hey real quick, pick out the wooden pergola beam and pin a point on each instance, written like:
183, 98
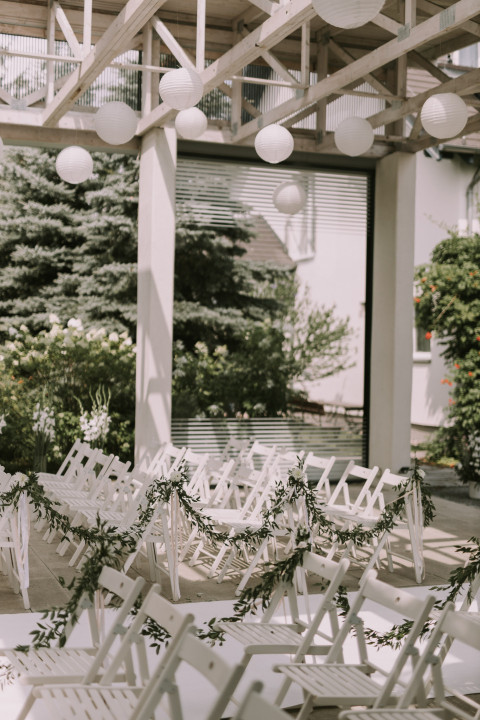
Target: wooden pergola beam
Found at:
284, 21
426, 31
126, 25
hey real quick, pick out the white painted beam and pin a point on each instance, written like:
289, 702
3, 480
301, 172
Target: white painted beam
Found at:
87, 26
66, 29
130, 20
200, 41
267, 6
432, 28
284, 21
173, 45
156, 250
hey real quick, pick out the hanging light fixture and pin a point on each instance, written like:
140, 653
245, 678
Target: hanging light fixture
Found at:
74, 164
274, 143
444, 115
181, 89
289, 197
354, 136
115, 122
191, 123
347, 13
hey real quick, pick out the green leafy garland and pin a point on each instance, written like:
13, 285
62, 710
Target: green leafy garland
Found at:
109, 547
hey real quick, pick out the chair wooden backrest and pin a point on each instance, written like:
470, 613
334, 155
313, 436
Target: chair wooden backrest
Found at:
168, 616
455, 625
351, 473
110, 582
207, 661
405, 605
322, 488
75, 452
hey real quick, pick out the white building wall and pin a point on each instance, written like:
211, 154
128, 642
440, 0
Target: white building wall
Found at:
440, 204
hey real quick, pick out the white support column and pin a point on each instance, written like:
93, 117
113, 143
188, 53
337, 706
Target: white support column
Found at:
156, 249
392, 342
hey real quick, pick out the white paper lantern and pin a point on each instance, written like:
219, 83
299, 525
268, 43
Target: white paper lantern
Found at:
354, 136
191, 123
444, 115
181, 89
74, 164
347, 13
289, 197
274, 143
115, 123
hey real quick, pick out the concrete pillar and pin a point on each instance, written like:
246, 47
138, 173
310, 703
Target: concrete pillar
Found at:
156, 250
392, 341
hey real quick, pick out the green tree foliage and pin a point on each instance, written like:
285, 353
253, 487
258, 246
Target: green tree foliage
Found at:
244, 339
448, 304
70, 250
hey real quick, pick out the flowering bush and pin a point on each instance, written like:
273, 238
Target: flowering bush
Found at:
59, 368
448, 304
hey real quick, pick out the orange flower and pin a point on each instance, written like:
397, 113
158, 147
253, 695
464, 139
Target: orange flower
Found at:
478, 338
457, 366
470, 373
417, 299
433, 288
424, 279
428, 335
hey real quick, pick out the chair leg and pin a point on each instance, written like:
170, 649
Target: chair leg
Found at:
27, 705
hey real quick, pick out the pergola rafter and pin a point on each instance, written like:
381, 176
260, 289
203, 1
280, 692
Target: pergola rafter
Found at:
220, 40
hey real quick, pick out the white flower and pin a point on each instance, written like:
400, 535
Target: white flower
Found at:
113, 337
296, 473
127, 341
176, 476
95, 425
44, 422
53, 319
12, 331
24, 328
2, 422
75, 323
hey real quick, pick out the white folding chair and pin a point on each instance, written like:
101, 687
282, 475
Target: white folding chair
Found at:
314, 463
71, 664
66, 702
266, 637
14, 540
346, 685
460, 626
366, 515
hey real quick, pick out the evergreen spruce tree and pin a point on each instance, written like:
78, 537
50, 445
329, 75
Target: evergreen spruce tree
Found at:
242, 341
67, 249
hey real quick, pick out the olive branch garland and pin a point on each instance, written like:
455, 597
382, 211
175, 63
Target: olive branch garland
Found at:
108, 546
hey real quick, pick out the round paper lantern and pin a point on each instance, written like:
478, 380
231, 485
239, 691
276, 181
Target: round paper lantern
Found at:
347, 13
289, 197
191, 123
181, 89
354, 136
115, 123
274, 143
444, 115
74, 164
